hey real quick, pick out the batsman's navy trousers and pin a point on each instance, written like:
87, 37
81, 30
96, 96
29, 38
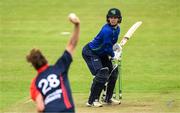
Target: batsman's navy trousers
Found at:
95, 62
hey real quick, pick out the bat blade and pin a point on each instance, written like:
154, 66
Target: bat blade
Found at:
130, 33
132, 29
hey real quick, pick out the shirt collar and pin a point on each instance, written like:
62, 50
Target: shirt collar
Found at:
43, 68
113, 27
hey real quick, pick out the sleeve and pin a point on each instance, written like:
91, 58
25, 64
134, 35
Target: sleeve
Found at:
33, 90
64, 61
107, 43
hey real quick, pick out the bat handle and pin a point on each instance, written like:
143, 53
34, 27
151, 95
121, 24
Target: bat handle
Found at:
124, 40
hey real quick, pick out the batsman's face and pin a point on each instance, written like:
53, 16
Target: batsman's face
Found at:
113, 20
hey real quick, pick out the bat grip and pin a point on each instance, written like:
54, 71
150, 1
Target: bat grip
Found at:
124, 40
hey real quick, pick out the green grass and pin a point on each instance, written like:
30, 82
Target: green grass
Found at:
150, 59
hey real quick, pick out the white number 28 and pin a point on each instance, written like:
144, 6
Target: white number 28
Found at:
49, 83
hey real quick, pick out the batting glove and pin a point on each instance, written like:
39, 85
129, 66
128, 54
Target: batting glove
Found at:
117, 47
117, 51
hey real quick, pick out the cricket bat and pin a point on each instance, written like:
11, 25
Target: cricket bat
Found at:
126, 37
130, 32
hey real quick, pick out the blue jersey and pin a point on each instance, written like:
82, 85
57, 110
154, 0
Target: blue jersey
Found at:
53, 84
103, 43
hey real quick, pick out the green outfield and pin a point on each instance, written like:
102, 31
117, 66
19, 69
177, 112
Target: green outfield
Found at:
151, 59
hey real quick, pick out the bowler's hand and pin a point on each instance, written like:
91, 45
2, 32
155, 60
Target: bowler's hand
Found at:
74, 18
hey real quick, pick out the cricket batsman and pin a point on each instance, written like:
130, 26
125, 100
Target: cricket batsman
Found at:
98, 54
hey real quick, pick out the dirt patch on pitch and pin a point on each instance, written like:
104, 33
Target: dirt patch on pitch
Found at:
124, 107
146, 104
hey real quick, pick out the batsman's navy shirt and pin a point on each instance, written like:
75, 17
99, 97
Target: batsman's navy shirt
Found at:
53, 84
103, 43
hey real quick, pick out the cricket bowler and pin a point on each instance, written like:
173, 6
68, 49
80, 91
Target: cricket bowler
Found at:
50, 89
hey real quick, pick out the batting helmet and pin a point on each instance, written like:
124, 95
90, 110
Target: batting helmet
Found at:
114, 12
